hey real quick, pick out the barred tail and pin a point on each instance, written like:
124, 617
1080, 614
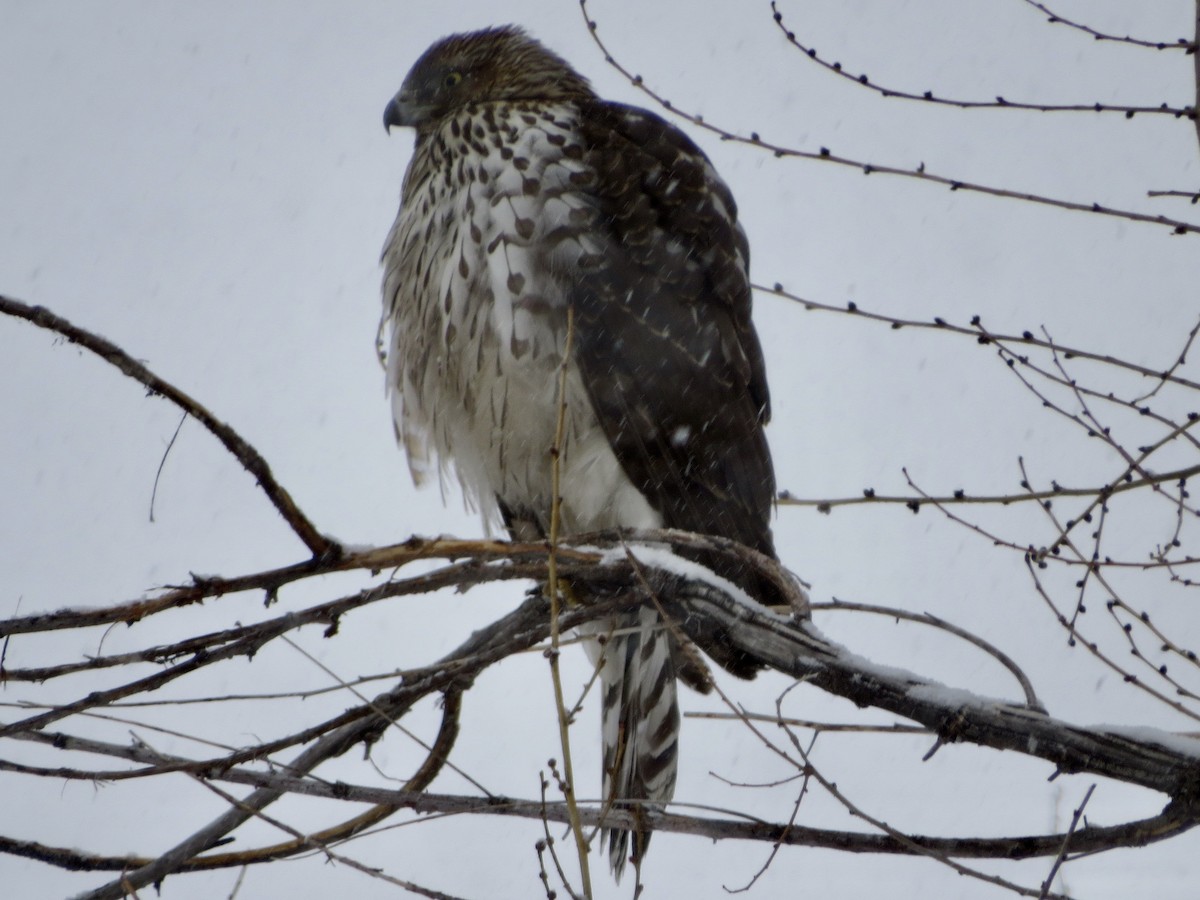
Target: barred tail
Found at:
640, 725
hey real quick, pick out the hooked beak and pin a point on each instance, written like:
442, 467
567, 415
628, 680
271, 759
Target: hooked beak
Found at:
400, 112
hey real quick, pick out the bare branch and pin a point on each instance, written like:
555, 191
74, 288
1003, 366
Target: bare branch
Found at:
1062, 854
999, 103
981, 335
1055, 19
524, 626
824, 154
1172, 821
1031, 699
1195, 51
242, 451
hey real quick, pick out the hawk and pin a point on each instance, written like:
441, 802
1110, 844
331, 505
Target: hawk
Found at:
530, 203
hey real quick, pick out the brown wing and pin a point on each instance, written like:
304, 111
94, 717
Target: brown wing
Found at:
663, 332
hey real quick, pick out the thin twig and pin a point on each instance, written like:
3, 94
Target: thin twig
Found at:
833, 727
1055, 19
485, 646
552, 591
918, 172
841, 71
976, 331
1031, 698
1062, 854
1195, 51
314, 842
162, 462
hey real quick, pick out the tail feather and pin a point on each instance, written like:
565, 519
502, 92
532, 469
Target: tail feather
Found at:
640, 724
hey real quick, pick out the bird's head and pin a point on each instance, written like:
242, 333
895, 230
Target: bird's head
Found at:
479, 67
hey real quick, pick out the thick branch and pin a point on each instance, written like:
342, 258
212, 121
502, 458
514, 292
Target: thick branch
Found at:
799, 650
271, 580
1160, 762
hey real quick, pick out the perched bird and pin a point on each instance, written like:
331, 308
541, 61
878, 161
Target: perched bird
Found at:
527, 197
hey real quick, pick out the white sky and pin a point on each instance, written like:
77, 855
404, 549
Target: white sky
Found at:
209, 185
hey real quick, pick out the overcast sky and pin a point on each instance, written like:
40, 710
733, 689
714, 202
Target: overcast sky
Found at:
209, 186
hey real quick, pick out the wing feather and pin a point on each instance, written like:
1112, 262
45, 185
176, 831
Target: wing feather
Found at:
664, 338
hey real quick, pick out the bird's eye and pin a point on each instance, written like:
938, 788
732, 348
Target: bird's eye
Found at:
452, 79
